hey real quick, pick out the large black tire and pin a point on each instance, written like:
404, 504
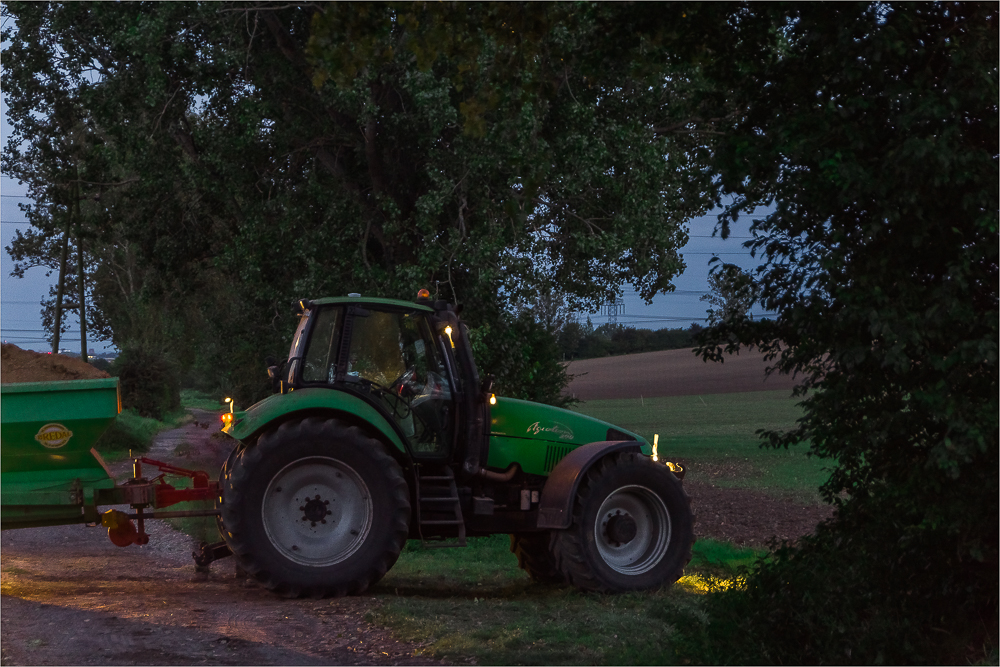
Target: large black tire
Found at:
315, 508
632, 528
534, 556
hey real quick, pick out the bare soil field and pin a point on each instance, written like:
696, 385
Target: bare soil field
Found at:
671, 373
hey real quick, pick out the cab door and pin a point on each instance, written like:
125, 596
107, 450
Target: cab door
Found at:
398, 360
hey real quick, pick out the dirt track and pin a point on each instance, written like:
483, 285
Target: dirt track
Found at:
671, 373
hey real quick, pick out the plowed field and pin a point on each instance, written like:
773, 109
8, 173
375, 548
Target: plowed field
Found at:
671, 373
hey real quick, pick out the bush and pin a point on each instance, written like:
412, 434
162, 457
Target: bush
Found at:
102, 365
524, 357
864, 589
148, 382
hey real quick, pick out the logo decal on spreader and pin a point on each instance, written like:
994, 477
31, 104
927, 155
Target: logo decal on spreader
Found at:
53, 436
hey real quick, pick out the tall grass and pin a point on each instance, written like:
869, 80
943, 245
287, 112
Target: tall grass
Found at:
192, 398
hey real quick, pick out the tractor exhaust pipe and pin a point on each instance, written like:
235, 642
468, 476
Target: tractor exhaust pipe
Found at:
504, 476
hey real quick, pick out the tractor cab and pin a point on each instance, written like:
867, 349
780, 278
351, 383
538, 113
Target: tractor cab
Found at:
410, 361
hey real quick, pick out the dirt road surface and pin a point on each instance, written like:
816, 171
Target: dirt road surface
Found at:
671, 373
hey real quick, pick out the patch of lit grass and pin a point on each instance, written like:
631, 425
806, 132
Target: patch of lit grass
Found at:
721, 558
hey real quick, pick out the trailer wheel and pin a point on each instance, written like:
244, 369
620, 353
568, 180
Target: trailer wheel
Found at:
632, 528
315, 508
534, 556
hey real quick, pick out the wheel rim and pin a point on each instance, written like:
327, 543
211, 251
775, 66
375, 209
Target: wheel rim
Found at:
317, 511
632, 531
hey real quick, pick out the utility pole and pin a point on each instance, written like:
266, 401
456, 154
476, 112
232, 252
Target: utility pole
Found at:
62, 283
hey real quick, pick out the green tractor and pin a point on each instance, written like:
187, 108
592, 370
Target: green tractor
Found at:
381, 430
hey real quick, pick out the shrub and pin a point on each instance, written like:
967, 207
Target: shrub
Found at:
148, 382
852, 596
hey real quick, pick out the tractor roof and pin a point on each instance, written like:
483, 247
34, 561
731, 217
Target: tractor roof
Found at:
373, 301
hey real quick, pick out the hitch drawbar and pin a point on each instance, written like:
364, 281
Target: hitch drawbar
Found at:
142, 494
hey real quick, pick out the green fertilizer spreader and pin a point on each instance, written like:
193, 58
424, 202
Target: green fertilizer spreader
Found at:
51, 475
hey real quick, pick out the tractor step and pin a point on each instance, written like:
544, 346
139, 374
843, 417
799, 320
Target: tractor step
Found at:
438, 504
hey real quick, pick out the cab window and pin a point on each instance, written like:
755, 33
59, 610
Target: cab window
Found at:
321, 356
396, 354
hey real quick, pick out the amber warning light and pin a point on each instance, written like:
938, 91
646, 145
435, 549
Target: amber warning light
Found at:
227, 417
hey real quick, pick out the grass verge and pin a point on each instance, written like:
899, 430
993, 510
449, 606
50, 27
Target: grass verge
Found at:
132, 432
475, 604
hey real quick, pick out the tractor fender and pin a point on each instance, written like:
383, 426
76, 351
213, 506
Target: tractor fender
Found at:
280, 407
555, 508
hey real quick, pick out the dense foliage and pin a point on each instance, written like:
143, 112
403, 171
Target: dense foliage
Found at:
873, 129
230, 158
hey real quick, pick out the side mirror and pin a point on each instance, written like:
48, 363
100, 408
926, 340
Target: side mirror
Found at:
487, 385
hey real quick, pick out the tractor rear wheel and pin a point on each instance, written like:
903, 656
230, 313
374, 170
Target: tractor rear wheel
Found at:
315, 507
632, 528
534, 556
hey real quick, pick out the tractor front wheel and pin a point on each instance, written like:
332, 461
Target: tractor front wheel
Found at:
632, 528
315, 507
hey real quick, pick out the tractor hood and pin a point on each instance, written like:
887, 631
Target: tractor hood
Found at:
512, 418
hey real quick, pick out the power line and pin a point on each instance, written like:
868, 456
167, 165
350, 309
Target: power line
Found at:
34, 331
712, 236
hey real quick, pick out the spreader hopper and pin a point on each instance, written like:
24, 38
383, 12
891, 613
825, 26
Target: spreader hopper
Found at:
50, 471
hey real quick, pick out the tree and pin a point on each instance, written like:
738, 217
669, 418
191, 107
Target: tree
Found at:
733, 293
255, 153
872, 127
